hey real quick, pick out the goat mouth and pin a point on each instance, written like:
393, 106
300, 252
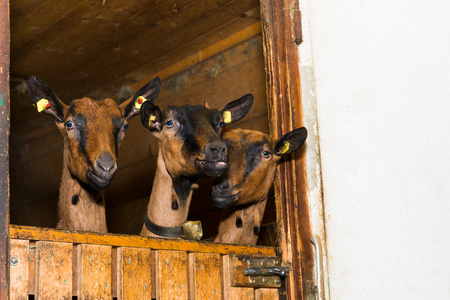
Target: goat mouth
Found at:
97, 182
212, 168
224, 201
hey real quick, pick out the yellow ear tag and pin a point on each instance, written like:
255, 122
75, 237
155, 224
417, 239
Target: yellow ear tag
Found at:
42, 104
151, 120
139, 101
285, 147
226, 116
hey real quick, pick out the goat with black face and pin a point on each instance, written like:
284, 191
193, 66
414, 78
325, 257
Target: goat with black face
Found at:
190, 147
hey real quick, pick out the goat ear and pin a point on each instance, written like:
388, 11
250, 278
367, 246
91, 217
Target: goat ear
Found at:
45, 100
151, 116
148, 92
291, 141
237, 109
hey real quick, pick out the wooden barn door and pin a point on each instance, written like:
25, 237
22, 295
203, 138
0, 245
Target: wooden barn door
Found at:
281, 25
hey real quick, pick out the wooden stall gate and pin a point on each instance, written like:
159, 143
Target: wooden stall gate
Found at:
59, 264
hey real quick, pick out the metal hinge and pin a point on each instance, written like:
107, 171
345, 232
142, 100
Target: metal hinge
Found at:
265, 272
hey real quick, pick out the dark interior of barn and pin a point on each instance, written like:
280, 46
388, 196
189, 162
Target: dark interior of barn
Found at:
202, 51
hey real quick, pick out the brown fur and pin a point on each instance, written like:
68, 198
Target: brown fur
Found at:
246, 190
93, 131
189, 148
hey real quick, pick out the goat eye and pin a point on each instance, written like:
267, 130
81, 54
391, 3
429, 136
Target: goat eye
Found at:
125, 127
221, 124
69, 125
169, 123
266, 154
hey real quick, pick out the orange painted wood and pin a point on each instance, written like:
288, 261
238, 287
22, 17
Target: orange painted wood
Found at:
32, 269
133, 273
54, 270
205, 274
79, 237
241, 293
94, 272
19, 272
267, 294
171, 275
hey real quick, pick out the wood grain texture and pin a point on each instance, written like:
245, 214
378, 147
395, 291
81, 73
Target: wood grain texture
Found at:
267, 294
19, 272
79, 237
133, 273
4, 149
171, 275
205, 276
241, 293
282, 35
54, 270
94, 272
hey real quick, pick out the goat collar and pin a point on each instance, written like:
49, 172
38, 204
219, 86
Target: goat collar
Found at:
190, 230
173, 232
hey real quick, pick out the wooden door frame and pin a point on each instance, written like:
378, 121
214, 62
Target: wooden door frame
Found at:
4, 151
281, 27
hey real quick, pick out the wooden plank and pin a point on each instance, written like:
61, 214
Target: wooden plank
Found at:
204, 54
281, 22
171, 275
19, 270
205, 276
54, 270
179, 36
4, 149
94, 272
267, 294
48, 13
241, 293
117, 240
134, 273
230, 292
32, 269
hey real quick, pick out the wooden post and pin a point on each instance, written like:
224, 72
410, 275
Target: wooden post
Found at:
281, 22
4, 134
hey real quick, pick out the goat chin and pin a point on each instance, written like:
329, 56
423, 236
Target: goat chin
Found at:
96, 182
224, 202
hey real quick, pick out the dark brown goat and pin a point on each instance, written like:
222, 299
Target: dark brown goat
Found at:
189, 148
244, 188
93, 132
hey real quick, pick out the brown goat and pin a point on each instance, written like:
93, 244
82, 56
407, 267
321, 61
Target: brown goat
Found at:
189, 148
244, 187
93, 132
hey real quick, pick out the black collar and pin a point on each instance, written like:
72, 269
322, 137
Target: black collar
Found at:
173, 232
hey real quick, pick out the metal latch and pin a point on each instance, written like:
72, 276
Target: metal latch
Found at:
265, 272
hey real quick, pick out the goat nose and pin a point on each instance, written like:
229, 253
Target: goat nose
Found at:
106, 163
224, 185
217, 147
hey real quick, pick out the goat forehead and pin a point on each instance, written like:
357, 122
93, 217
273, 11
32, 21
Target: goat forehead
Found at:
194, 114
244, 150
95, 110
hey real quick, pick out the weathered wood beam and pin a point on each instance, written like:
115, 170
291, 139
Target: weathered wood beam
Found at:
118, 240
4, 150
281, 36
204, 54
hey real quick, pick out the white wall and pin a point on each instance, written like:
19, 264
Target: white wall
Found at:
382, 90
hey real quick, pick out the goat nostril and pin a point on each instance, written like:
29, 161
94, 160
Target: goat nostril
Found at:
216, 147
105, 163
